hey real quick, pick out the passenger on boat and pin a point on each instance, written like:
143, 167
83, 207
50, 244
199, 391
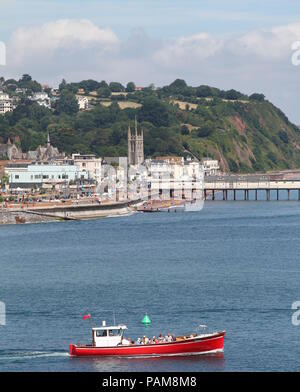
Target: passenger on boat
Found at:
154, 340
169, 338
125, 342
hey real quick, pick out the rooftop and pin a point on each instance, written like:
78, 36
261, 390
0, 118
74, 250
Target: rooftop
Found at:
114, 327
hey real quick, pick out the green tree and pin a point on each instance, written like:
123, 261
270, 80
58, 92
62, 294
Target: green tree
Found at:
204, 91
257, 97
178, 85
130, 88
62, 85
232, 95
103, 84
233, 166
26, 78
154, 111
184, 130
29, 84
67, 103
103, 92
89, 85
283, 136
116, 87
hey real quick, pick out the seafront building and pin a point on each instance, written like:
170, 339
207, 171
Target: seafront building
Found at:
113, 178
81, 170
33, 176
211, 166
174, 178
89, 165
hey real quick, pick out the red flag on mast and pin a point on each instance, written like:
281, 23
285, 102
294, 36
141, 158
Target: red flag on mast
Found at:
86, 316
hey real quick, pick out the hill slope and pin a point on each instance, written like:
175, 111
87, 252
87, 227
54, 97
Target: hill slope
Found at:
245, 133
248, 136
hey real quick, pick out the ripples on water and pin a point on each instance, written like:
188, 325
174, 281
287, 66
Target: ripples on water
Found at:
233, 266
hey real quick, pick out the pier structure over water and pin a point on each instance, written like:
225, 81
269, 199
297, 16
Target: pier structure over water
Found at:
230, 186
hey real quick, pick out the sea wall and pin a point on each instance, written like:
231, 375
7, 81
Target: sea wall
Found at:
72, 212
7, 218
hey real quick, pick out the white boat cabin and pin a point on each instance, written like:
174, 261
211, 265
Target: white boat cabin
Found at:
108, 336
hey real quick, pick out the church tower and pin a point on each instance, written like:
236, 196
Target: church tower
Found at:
135, 146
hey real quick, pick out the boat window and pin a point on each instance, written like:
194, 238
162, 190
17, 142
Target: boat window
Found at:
114, 332
101, 333
108, 332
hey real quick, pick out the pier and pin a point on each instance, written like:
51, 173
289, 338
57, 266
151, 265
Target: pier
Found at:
230, 186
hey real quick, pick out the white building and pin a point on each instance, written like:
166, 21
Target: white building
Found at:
42, 99
20, 90
42, 175
3, 96
83, 102
172, 177
55, 92
211, 166
6, 104
88, 164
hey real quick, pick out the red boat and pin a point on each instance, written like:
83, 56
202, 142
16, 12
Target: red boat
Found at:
110, 341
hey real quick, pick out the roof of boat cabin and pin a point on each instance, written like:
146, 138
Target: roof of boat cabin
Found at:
121, 326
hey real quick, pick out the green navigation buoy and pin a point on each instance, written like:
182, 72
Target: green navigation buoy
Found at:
146, 320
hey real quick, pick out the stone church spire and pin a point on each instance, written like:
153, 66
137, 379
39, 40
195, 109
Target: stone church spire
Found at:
135, 146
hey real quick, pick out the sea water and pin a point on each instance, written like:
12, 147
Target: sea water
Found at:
232, 266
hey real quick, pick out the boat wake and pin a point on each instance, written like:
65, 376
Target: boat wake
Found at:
24, 355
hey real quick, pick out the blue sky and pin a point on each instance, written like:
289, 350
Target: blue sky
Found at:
158, 17
243, 44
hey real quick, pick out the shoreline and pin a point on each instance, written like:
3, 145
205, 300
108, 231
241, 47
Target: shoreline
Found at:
64, 213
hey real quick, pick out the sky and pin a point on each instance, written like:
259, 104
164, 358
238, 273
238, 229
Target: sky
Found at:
240, 44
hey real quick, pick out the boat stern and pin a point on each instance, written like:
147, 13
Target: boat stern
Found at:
72, 349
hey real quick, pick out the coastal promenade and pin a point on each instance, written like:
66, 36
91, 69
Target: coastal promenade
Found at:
231, 187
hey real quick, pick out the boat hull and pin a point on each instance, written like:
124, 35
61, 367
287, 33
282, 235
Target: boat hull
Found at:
198, 345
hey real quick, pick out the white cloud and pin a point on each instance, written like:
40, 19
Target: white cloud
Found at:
63, 40
67, 35
185, 50
274, 43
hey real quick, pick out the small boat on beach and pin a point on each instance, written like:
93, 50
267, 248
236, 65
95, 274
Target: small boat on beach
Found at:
19, 219
110, 341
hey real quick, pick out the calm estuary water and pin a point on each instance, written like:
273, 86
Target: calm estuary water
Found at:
233, 266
